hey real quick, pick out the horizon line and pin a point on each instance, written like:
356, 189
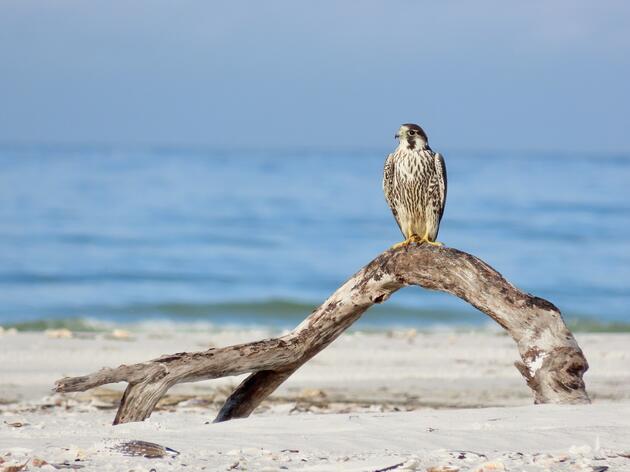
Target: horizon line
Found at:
157, 146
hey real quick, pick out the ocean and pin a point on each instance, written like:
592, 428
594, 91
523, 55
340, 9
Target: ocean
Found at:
98, 234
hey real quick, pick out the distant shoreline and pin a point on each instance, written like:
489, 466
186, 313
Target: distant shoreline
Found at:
372, 322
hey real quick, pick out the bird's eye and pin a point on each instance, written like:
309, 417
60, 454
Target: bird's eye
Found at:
412, 132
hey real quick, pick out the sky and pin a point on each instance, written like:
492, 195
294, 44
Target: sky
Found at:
485, 75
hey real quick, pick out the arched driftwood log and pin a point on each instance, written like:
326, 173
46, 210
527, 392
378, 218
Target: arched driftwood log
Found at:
551, 361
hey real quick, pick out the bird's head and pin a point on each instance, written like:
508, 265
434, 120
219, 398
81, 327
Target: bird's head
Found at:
412, 136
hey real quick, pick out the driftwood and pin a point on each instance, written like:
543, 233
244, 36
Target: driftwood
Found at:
551, 361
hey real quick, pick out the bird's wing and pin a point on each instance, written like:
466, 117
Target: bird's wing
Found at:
388, 179
388, 186
440, 166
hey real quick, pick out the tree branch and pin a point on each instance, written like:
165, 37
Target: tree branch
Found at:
551, 361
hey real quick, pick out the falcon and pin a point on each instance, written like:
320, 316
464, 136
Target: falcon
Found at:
414, 183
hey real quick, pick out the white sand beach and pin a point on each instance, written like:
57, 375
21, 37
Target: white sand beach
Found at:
402, 400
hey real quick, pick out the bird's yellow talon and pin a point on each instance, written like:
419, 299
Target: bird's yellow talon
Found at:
425, 239
404, 243
414, 238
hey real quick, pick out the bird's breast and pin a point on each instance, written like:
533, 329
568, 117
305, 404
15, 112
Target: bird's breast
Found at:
414, 165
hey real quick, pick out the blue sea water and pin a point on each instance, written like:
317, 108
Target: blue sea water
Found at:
261, 237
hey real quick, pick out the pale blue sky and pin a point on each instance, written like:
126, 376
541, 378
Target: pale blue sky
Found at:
540, 74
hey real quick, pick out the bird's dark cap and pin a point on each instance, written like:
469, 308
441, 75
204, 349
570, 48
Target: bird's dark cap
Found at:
415, 127
412, 126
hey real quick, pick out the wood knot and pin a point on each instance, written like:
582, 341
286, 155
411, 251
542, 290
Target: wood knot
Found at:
380, 298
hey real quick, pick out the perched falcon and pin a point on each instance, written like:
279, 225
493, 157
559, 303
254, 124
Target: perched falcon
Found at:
414, 182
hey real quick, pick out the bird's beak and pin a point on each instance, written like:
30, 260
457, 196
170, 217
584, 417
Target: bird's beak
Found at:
396, 136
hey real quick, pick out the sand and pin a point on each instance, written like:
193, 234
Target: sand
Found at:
401, 400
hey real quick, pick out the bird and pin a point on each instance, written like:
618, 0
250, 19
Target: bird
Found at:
415, 184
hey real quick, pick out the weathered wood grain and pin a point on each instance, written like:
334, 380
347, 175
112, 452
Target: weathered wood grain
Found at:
551, 361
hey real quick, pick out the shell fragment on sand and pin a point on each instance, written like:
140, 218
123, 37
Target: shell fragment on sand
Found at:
145, 449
